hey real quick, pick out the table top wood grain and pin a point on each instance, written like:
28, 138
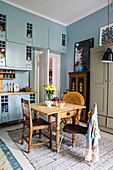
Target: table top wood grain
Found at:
42, 107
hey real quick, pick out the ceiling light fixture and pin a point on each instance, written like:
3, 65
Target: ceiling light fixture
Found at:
108, 55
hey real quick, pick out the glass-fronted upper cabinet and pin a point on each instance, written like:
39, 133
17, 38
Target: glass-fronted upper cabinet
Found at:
29, 34
2, 26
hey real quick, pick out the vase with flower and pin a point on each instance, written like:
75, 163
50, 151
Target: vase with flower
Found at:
50, 90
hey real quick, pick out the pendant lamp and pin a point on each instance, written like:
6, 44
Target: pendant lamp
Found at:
108, 55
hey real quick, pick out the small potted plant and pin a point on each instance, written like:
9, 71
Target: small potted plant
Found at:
50, 90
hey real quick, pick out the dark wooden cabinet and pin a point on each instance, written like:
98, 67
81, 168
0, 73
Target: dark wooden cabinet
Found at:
80, 82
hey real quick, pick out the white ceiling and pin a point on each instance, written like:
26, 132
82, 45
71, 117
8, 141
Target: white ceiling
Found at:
61, 11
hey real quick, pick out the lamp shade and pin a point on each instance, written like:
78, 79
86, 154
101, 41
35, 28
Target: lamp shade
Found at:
108, 56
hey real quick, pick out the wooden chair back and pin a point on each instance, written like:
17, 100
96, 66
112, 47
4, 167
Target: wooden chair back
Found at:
74, 98
26, 109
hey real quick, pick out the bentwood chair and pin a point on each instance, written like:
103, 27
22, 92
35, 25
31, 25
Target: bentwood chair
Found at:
74, 98
33, 125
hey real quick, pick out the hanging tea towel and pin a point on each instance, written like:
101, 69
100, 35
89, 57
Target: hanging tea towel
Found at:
93, 135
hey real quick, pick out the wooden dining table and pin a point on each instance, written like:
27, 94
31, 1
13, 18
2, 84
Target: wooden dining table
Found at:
69, 110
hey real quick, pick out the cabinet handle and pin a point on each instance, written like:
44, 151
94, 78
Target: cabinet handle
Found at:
68, 113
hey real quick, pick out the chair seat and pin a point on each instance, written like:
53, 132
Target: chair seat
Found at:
37, 122
40, 122
73, 129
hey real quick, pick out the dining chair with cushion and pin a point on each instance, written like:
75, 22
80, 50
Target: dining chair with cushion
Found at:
33, 125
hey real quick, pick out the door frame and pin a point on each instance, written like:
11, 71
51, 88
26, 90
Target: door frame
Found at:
36, 71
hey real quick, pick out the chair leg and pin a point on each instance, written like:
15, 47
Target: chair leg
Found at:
49, 120
50, 128
30, 139
39, 133
73, 140
23, 132
61, 141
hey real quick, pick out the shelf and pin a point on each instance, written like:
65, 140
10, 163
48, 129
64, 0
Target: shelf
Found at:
7, 75
6, 78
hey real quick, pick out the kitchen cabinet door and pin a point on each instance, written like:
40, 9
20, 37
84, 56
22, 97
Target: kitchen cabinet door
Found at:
98, 80
26, 97
40, 36
15, 55
14, 106
57, 41
16, 30
110, 99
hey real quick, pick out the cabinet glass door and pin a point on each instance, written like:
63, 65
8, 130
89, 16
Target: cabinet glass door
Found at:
81, 85
73, 84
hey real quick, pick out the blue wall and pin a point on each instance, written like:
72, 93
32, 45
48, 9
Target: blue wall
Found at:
83, 29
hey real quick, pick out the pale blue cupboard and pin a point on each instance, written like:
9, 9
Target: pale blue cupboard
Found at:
14, 105
16, 30
15, 55
40, 36
10, 107
57, 40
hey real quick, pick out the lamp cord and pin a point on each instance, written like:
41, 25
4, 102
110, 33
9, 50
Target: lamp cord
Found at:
108, 23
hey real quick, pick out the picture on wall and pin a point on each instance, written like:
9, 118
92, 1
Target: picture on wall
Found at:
104, 34
82, 54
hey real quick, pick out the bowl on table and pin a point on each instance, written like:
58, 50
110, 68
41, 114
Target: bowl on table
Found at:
61, 104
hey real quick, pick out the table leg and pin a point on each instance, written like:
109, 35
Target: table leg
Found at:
74, 136
49, 120
35, 116
78, 116
57, 131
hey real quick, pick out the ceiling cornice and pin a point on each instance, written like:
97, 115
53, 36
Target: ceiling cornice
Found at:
49, 18
31, 11
89, 13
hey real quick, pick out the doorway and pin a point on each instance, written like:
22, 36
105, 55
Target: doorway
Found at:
47, 72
